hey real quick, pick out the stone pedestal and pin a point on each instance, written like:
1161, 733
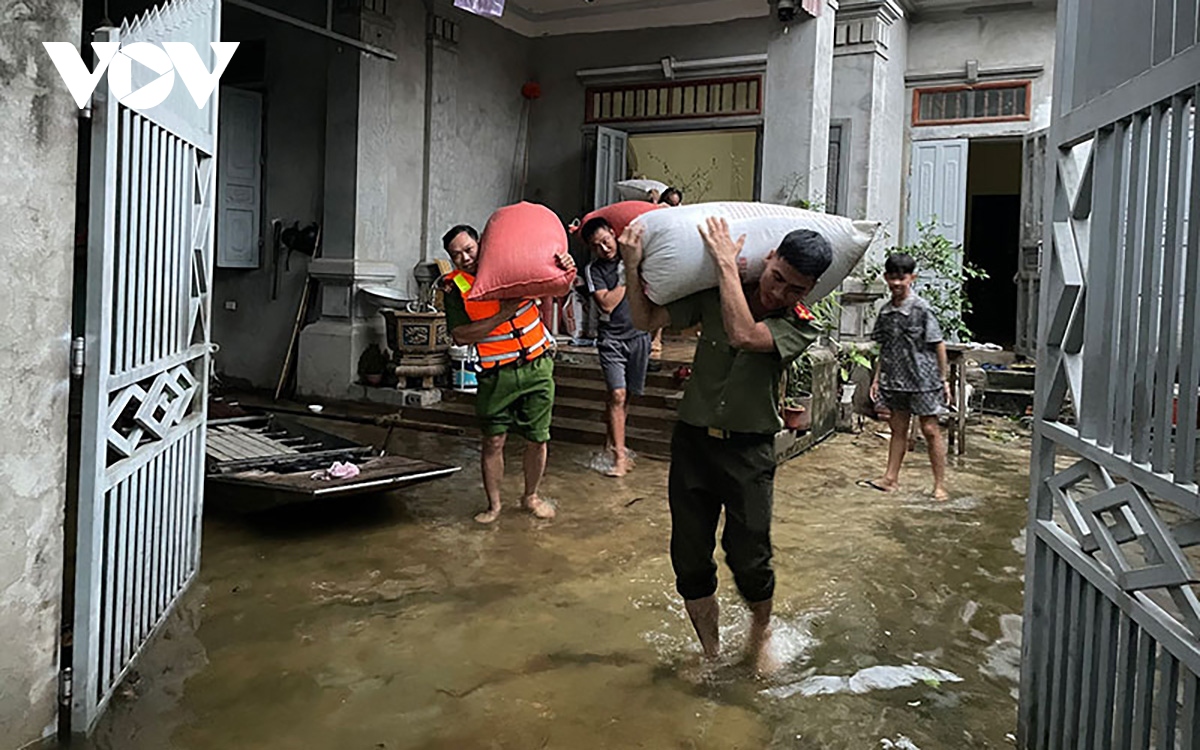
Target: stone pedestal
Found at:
796, 102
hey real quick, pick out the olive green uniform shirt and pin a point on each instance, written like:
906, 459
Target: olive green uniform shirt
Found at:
732, 389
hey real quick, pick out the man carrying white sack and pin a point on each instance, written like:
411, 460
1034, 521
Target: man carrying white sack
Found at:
723, 447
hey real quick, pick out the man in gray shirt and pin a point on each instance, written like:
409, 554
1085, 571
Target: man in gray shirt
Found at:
624, 350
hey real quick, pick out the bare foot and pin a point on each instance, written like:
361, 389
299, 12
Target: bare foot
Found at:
488, 516
620, 467
940, 494
698, 670
539, 507
763, 657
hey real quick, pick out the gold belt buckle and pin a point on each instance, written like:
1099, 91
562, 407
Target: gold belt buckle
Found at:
713, 432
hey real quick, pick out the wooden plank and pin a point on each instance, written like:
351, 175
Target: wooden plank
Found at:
1168, 356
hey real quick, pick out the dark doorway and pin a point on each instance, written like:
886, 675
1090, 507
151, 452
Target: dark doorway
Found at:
993, 238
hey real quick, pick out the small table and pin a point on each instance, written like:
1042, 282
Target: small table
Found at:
956, 354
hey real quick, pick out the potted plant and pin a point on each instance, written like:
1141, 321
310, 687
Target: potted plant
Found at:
851, 357
372, 364
798, 399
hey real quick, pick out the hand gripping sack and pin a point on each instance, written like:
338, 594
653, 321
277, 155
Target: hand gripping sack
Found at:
517, 255
618, 215
639, 190
675, 262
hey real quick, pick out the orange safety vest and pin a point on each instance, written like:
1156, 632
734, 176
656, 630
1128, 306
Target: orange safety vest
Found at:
521, 337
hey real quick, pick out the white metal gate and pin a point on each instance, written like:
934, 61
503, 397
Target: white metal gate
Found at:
150, 230
1111, 654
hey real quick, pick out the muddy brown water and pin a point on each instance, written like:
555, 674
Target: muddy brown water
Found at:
398, 623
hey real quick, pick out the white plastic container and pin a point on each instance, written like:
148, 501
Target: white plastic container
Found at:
463, 361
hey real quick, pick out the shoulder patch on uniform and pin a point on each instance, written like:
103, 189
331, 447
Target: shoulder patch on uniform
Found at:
463, 285
803, 313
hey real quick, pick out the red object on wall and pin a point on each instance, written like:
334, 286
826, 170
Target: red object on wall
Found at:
532, 90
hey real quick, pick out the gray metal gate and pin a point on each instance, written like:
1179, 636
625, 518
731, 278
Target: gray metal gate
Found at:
1112, 618
146, 362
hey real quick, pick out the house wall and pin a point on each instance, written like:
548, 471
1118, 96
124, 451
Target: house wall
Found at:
254, 337
477, 107
479, 142
38, 136
996, 40
556, 163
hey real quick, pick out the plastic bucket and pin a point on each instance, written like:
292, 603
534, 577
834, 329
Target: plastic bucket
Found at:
462, 369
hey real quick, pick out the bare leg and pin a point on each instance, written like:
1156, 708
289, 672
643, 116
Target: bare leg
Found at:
758, 648
706, 616
937, 456
535, 468
492, 463
615, 413
897, 447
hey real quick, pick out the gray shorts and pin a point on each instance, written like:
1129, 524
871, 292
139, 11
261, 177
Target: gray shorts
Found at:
919, 403
624, 362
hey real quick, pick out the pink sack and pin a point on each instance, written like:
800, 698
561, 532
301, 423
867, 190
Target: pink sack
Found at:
517, 255
619, 215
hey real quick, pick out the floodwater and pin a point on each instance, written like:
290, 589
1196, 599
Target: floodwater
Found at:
398, 623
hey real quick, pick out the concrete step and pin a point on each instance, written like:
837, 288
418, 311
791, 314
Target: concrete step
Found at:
588, 430
663, 379
590, 409
1015, 402
1010, 380
594, 389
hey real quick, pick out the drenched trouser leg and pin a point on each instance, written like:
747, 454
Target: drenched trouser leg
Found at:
706, 474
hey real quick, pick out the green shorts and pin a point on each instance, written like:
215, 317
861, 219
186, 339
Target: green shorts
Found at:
517, 398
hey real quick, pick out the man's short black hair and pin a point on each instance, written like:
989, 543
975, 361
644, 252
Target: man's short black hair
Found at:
448, 237
900, 264
595, 225
806, 251
670, 193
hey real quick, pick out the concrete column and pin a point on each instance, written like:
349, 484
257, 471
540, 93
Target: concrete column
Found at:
445, 160
38, 137
870, 103
869, 100
356, 241
797, 105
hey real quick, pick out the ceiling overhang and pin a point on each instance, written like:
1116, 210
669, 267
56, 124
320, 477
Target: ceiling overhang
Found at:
533, 18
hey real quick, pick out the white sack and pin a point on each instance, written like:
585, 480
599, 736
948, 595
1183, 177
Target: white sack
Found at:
639, 190
676, 262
